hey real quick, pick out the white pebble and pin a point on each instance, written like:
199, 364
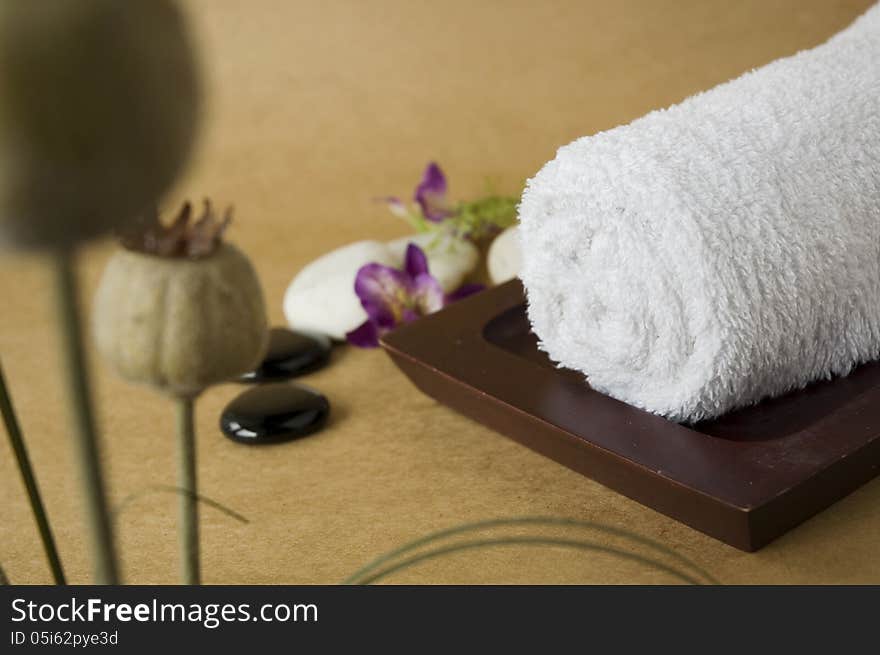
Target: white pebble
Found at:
504, 258
321, 297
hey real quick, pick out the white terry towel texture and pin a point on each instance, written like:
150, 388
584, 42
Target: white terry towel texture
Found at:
722, 250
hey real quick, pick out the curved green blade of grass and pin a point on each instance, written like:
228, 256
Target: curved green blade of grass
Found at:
368, 570
530, 541
169, 488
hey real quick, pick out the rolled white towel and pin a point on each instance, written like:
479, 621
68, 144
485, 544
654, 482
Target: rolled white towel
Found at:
722, 250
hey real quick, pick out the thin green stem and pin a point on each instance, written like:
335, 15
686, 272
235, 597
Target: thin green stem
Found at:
67, 297
189, 507
16, 440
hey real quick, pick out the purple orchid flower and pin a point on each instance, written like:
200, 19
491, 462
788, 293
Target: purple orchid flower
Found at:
431, 194
392, 297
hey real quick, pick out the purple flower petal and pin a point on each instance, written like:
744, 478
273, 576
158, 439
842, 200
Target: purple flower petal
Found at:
464, 291
427, 294
391, 296
433, 180
366, 335
431, 194
415, 262
383, 292
410, 315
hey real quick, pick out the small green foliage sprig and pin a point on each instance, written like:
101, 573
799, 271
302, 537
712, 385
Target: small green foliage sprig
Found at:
431, 211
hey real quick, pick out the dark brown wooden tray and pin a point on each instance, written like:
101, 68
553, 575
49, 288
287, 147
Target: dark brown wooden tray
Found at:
745, 478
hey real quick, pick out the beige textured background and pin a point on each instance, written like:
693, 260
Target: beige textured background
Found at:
315, 108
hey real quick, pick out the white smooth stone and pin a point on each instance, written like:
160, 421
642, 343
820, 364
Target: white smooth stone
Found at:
504, 258
321, 297
450, 260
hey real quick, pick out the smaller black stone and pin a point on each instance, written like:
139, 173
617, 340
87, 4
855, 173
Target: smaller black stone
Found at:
290, 354
273, 413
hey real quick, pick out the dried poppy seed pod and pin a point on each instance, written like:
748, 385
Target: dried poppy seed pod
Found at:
98, 107
186, 320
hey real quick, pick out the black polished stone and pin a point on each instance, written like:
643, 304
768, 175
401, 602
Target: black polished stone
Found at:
290, 354
273, 413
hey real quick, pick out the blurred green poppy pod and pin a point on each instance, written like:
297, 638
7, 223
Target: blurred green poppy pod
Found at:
98, 106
